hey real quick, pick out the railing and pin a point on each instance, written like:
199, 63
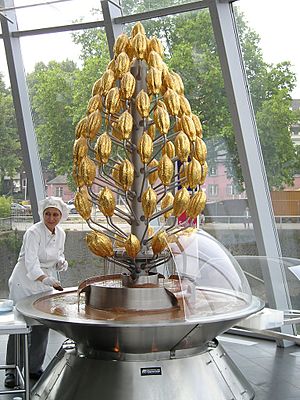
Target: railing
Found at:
5, 224
74, 221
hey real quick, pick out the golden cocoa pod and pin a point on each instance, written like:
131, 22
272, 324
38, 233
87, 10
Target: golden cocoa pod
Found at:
121, 44
107, 81
94, 124
194, 173
170, 81
166, 202
106, 202
198, 125
188, 127
116, 173
154, 80
127, 86
149, 201
95, 103
169, 149
119, 241
172, 102
156, 45
132, 246
112, 100
130, 50
165, 68
182, 146
203, 173
185, 107
161, 119
200, 150
142, 103
122, 64
163, 88
180, 85
126, 174
79, 182
152, 131
103, 148
182, 174
181, 201
139, 44
80, 149
165, 170
87, 170
116, 132
159, 242
196, 204
153, 176
99, 244
124, 125
97, 87
137, 28
111, 65
83, 204
81, 128
177, 126
145, 148
155, 60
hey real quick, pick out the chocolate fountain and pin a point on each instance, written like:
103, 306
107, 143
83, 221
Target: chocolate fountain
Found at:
146, 328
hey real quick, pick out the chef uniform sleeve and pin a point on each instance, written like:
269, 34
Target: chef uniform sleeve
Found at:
31, 249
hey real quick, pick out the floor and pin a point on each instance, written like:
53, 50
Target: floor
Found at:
273, 372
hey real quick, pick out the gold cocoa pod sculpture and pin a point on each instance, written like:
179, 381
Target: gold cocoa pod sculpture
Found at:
138, 155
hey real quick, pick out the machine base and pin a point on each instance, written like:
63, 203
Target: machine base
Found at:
209, 375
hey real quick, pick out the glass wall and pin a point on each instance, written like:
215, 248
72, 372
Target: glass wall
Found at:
275, 88
133, 7
56, 13
61, 69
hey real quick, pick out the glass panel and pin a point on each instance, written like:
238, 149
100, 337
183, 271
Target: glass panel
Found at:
60, 80
46, 49
132, 7
276, 105
34, 15
3, 64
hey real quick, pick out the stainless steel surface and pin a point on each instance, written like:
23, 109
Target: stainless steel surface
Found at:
154, 298
135, 332
209, 375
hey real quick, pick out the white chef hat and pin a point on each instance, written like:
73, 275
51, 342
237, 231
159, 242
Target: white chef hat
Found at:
55, 202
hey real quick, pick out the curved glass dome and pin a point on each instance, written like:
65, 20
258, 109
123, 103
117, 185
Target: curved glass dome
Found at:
211, 281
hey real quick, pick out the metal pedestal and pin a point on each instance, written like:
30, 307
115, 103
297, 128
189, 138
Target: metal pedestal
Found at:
192, 375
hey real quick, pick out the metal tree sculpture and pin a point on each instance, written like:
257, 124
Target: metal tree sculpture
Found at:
138, 128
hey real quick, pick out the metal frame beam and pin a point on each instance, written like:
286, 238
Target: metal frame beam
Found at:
22, 110
111, 11
250, 154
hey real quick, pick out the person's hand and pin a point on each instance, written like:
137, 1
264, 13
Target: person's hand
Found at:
52, 282
62, 265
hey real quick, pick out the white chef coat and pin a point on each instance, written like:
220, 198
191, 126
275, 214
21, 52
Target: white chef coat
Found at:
40, 251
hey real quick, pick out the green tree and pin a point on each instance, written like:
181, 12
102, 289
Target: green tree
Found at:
51, 89
273, 120
9, 144
5, 203
193, 54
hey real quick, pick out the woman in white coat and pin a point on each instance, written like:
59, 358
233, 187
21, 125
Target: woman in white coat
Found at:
41, 256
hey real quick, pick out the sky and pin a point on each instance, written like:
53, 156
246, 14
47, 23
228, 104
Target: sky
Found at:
275, 21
